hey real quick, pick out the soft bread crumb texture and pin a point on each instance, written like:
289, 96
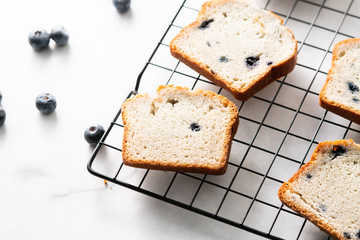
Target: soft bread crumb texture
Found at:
237, 44
326, 189
340, 93
179, 130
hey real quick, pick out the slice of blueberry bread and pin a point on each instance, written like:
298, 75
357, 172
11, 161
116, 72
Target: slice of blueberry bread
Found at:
179, 130
326, 189
237, 45
340, 93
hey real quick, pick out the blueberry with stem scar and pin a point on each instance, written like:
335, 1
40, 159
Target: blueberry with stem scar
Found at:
93, 134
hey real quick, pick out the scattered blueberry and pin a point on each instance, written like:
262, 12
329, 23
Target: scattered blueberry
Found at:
122, 5
39, 39
353, 87
337, 151
207, 43
205, 24
60, 35
93, 134
347, 235
45, 103
308, 176
269, 63
252, 62
2, 116
195, 127
223, 59
355, 99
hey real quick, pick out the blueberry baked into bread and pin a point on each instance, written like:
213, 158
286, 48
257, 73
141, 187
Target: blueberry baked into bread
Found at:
237, 45
179, 130
340, 93
326, 189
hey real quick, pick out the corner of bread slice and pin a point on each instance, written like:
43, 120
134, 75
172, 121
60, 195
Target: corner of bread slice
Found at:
304, 192
179, 130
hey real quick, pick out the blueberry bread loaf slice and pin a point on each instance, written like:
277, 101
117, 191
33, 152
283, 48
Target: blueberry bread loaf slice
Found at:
326, 189
340, 93
179, 130
237, 45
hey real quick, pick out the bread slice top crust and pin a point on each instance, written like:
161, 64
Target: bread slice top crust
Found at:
237, 45
179, 130
326, 189
340, 93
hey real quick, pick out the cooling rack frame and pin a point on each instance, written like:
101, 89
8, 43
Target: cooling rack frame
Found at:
312, 141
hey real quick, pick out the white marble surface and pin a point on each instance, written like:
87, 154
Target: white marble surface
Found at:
46, 190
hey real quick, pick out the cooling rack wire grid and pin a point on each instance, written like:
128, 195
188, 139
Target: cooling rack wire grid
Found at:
278, 131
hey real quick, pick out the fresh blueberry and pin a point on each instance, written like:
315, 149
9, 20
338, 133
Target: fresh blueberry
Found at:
353, 87
122, 5
205, 24
252, 62
93, 134
346, 235
223, 59
45, 103
2, 116
355, 99
195, 127
60, 35
308, 176
337, 151
39, 39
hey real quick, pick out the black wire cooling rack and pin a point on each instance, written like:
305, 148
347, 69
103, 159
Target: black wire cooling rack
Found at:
278, 131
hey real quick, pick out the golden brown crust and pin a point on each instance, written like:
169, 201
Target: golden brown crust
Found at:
184, 167
337, 108
275, 72
288, 187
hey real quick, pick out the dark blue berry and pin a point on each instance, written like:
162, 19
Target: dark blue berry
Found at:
353, 87
355, 99
93, 134
223, 59
122, 5
269, 63
60, 35
39, 39
337, 151
207, 43
45, 103
308, 176
205, 24
347, 235
252, 62
2, 116
195, 127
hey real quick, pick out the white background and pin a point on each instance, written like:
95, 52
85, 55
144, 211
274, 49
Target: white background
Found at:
45, 189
